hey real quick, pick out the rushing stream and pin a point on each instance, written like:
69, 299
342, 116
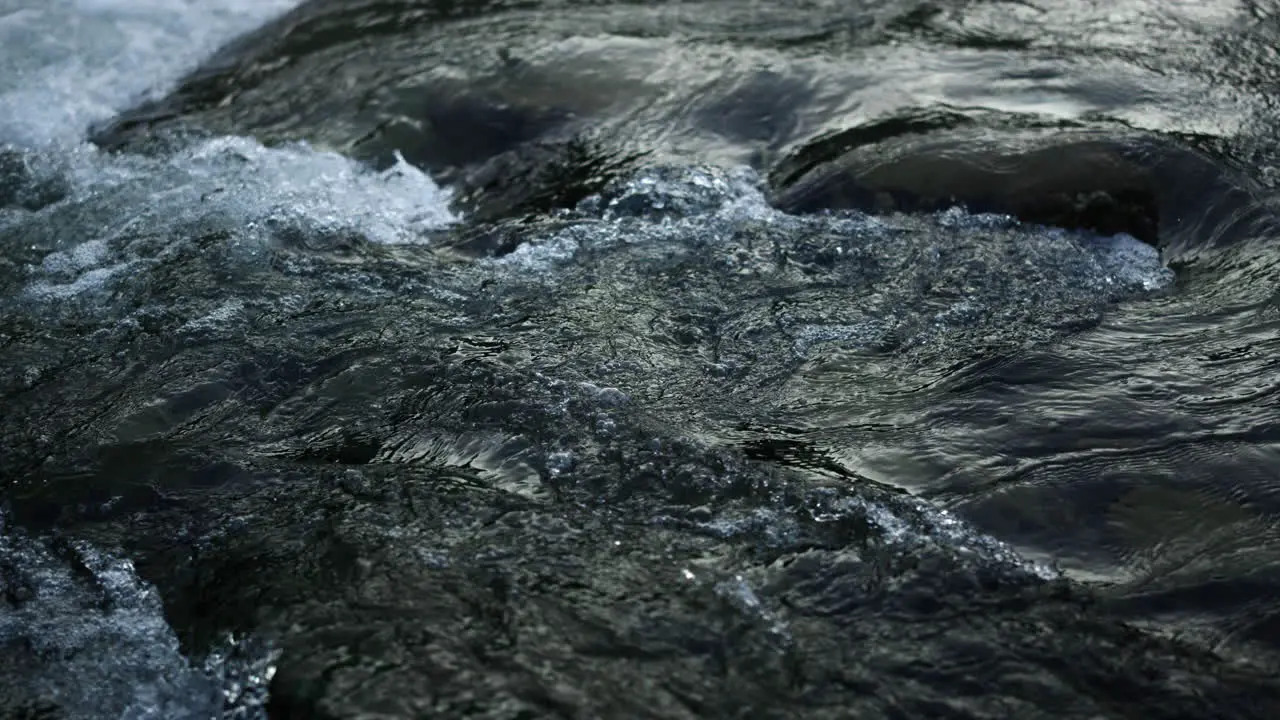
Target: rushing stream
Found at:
589, 359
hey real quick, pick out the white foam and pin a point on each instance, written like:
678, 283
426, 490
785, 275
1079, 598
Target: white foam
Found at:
232, 184
866, 335
90, 281
85, 255
65, 64
104, 637
240, 178
1129, 261
224, 314
537, 257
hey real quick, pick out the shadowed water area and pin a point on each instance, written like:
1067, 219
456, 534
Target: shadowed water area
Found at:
586, 359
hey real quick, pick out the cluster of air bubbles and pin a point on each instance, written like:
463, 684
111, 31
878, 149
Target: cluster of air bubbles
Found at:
242, 669
673, 192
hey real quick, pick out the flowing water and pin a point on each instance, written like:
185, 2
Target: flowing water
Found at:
419, 358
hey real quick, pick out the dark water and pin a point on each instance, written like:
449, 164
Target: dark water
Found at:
416, 358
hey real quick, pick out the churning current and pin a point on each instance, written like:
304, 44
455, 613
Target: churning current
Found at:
606, 359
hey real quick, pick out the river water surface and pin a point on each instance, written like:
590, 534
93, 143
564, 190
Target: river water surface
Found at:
420, 358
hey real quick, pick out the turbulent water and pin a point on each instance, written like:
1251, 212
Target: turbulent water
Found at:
419, 358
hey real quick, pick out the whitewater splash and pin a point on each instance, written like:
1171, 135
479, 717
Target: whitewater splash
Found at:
66, 64
69, 63
226, 184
